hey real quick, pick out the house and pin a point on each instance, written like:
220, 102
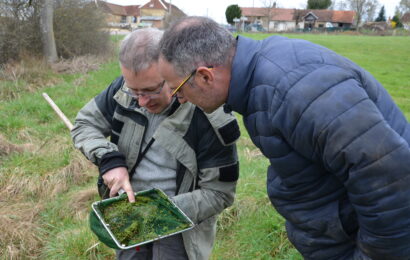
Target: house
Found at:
327, 19
118, 14
157, 13
405, 20
153, 13
272, 19
281, 19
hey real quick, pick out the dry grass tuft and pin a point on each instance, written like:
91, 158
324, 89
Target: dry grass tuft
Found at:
231, 215
81, 64
250, 150
33, 73
21, 236
28, 66
252, 153
7, 147
15, 186
228, 217
77, 172
19, 185
81, 201
247, 142
28, 75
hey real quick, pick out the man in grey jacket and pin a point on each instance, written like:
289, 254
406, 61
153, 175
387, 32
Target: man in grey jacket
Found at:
156, 142
337, 144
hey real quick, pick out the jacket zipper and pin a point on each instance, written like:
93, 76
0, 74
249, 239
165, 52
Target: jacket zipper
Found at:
140, 150
130, 173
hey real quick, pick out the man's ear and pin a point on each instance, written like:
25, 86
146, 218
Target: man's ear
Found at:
204, 76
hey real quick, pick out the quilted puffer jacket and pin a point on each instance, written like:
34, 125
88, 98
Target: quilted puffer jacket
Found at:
338, 148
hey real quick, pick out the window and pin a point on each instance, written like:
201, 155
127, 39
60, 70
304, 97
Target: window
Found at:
123, 19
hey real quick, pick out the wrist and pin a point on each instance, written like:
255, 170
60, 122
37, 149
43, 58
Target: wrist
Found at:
110, 161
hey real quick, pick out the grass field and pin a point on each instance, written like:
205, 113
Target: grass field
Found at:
46, 187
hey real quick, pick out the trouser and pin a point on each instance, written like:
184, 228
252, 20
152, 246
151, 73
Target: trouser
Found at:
170, 248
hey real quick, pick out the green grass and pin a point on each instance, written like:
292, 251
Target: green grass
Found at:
55, 180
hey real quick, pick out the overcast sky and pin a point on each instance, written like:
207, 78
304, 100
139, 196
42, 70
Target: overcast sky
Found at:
215, 9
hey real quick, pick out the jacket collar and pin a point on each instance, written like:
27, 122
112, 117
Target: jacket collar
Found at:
170, 135
242, 69
123, 99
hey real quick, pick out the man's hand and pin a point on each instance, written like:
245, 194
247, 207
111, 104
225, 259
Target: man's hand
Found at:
116, 179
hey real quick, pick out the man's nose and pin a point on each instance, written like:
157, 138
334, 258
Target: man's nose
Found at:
143, 100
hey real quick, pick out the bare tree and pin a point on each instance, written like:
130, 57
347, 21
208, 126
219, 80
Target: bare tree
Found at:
298, 14
76, 25
341, 5
270, 6
371, 11
47, 31
363, 9
332, 5
17, 22
404, 6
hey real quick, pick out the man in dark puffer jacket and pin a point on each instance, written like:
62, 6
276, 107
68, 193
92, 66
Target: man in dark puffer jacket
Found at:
337, 143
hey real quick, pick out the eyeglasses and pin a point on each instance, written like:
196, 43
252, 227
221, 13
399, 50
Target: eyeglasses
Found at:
186, 80
149, 94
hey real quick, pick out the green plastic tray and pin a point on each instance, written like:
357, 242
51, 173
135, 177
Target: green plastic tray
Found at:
153, 212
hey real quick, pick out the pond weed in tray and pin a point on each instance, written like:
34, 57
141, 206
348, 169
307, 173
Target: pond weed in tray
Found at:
153, 216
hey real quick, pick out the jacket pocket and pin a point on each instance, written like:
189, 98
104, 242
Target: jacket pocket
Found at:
320, 227
331, 226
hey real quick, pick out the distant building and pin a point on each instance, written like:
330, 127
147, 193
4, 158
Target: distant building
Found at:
120, 14
327, 18
271, 19
281, 19
153, 13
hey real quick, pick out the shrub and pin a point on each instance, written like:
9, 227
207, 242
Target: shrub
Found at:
78, 29
18, 22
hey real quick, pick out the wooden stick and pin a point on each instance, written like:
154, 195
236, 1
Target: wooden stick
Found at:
58, 111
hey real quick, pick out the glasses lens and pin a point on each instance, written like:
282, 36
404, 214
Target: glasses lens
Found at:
148, 94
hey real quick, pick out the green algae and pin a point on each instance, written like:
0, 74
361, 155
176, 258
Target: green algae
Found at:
151, 215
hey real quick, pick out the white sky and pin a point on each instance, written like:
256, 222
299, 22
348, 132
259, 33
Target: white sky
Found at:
215, 9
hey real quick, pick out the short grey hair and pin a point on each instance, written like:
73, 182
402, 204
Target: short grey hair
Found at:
196, 41
139, 49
